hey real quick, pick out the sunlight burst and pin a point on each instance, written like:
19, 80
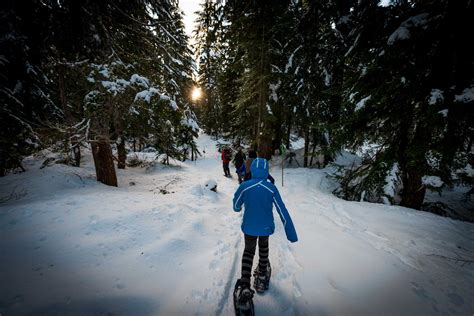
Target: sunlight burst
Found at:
196, 94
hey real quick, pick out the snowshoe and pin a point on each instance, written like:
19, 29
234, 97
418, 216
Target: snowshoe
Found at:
261, 281
243, 302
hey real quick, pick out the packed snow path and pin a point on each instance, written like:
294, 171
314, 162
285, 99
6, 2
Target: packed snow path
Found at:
72, 246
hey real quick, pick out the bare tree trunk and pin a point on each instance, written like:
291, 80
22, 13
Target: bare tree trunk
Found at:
62, 90
185, 155
104, 163
413, 189
75, 148
312, 154
3, 160
122, 153
265, 146
288, 131
306, 148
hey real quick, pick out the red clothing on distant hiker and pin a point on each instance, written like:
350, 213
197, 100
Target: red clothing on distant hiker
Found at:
225, 156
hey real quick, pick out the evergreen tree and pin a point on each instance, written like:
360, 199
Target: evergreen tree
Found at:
400, 91
252, 28
25, 104
208, 49
84, 68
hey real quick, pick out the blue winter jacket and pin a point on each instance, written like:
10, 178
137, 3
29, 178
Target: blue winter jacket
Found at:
258, 195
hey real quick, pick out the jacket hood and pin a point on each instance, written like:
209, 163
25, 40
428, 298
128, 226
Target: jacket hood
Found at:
259, 168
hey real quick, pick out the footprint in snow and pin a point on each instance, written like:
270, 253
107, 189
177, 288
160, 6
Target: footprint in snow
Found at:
120, 286
296, 291
334, 285
455, 299
214, 265
419, 291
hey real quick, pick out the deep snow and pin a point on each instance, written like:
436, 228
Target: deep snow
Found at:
72, 246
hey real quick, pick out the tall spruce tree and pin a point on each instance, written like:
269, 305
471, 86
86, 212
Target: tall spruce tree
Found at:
208, 36
401, 91
25, 102
253, 31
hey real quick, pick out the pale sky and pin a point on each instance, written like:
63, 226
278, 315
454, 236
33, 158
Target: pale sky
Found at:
189, 7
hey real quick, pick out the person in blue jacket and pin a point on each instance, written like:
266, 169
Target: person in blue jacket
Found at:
258, 197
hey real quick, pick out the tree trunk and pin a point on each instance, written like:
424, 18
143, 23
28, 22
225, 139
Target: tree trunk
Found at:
104, 163
62, 90
312, 154
185, 155
3, 160
413, 189
306, 148
76, 150
122, 153
265, 147
75, 145
288, 131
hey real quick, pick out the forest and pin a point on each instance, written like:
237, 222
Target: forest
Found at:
392, 83
121, 125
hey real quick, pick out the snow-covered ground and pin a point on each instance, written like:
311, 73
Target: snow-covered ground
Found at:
72, 246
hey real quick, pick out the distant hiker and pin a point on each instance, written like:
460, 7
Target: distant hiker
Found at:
239, 160
258, 197
290, 156
241, 173
246, 170
248, 163
226, 157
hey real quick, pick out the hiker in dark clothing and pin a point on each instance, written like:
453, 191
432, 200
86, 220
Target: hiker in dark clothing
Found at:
248, 163
239, 162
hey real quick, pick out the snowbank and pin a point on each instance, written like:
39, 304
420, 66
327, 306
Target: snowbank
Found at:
72, 246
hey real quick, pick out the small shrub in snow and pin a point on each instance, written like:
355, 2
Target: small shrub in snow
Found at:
141, 159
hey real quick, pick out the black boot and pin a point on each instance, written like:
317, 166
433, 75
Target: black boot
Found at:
243, 302
262, 280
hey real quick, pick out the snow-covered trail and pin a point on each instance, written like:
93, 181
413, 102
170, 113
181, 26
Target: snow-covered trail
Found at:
371, 259
279, 298
72, 246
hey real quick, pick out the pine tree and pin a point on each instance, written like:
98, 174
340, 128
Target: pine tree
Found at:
399, 98
208, 49
25, 103
253, 29
88, 65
